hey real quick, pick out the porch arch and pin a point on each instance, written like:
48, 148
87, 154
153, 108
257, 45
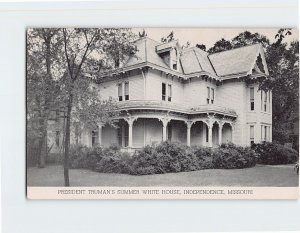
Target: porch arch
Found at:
227, 133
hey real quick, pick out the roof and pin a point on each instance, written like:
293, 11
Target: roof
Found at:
222, 65
235, 61
146, 52
195, 60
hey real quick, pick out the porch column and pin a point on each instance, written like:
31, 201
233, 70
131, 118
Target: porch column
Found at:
188, 132
220, 133
130, 123
164, 132
210, 135
100, 134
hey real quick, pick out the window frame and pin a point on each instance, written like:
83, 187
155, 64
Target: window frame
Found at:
252, 98
163, 91
126, 91
169, 92
252, 137
120, 91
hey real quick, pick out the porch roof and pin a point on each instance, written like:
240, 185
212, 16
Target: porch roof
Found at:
172, 107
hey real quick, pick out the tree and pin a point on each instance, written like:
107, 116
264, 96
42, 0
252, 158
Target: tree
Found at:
220, 45
201, 46
247, 38
83, 47
42, 70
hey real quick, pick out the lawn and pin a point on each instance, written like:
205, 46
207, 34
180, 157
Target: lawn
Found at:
260, 175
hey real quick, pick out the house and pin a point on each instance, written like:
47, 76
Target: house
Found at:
185, 95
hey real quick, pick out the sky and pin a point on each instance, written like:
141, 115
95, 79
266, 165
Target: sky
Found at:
208, 36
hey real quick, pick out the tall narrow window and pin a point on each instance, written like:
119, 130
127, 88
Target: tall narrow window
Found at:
208, 95
212, 95
126, 90
163, 91
57, 115
169, 92
251, 134
57, 138
269, 101
252, 98
262, 133
261, 100
120, 91
265, 101
206, 129
266, 133
94, 137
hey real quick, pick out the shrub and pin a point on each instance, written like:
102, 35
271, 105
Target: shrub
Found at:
204, 157
85, 157
275, 154
230, 156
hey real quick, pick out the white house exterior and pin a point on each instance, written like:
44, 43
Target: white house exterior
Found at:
188, 96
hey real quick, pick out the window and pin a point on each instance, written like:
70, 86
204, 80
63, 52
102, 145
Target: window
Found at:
123, 135
126, 90
120, 91
252, 98
163, 91
262, 133
261, 100
175, 66
208, 95
169, 92
206, 129
269, 102
212, 95
265, 101
266, 131
94, 138
57, 138
251, 134
126, 132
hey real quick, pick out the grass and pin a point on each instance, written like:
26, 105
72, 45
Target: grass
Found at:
261, 175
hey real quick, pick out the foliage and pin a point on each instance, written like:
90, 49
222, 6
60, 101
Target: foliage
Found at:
274, 154
230, 156
220, 45
201, 46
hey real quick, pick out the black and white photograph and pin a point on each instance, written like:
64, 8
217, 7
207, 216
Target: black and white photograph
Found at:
117, 109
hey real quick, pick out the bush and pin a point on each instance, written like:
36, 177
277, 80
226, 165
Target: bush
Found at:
85, 157
230, 156
275, 154
164, 158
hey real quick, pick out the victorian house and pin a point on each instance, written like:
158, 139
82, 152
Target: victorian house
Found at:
185, 95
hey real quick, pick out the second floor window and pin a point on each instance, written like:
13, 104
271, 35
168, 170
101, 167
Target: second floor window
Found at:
123, 91
163, 91
120, 91
252, 98
265, 101
169, 92
126, 90
210, 95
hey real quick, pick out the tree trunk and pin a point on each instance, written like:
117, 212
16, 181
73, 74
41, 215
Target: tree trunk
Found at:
67, 141
43, 144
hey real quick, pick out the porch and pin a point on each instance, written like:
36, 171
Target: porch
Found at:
136, 131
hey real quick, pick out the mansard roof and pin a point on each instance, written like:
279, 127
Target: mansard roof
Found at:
194, 61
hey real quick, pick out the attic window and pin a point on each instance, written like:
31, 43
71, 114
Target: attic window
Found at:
260, 64
175, 66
